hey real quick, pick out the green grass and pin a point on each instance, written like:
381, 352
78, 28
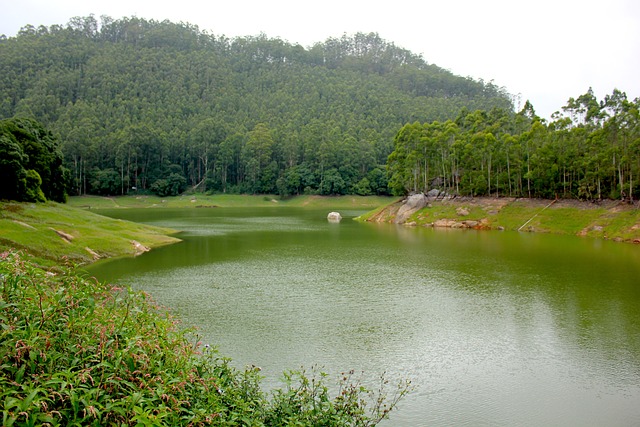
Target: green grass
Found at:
514, 215
623, 225
611, 220
567, 220
227, 200
40, 230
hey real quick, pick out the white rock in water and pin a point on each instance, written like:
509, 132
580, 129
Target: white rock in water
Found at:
334, 217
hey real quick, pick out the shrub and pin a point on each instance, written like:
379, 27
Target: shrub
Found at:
171, 186
77, 352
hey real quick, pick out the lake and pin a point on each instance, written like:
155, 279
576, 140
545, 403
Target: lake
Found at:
493, 328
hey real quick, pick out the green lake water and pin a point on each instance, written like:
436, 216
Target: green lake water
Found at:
493, 328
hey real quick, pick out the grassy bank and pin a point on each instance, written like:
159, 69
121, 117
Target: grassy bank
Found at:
52, 233
227, 200
608, 219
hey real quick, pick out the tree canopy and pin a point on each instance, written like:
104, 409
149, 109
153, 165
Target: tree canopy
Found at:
142, 105
590, 150
137, 101
31, 168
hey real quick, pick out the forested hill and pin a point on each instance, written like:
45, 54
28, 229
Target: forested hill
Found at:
162, 105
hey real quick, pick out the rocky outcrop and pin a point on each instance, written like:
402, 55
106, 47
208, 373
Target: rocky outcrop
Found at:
139, 248
93, 253
410, 205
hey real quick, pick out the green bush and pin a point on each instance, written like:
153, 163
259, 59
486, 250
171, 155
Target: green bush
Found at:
77, 352
172, 186
30, 162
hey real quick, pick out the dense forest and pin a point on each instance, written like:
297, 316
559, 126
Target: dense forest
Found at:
163, 106
590, 150
141, 106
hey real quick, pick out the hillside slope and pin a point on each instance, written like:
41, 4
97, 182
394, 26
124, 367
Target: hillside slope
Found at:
135, 101
53, 233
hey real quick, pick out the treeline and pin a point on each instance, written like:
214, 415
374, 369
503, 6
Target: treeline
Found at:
163, 106
589, 150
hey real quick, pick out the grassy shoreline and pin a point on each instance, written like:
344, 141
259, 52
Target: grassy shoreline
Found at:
51, 234
228, 200
75, 233
610, 219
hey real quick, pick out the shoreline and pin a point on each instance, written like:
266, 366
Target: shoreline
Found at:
608, 219
76, 234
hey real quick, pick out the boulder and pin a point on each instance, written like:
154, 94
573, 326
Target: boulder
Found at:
416, 201
445, 223
334, 217
412, 204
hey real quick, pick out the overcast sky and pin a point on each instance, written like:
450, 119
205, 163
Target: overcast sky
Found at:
546, 51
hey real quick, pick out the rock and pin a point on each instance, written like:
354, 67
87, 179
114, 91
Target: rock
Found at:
433, 193
24, 224
445, 223
334, 217
93, 253
462, 212
470, 223
139, 248
418, 201
65, 236
412, 204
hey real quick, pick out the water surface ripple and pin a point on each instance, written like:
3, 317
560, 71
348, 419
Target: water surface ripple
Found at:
493, 328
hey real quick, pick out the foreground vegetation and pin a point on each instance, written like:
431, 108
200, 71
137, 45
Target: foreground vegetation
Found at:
77, 352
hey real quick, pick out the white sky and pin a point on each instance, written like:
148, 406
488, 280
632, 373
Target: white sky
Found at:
547, 50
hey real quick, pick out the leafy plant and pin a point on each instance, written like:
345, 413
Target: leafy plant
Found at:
78, 352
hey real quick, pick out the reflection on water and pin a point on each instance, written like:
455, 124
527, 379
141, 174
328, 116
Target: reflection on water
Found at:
493, 328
